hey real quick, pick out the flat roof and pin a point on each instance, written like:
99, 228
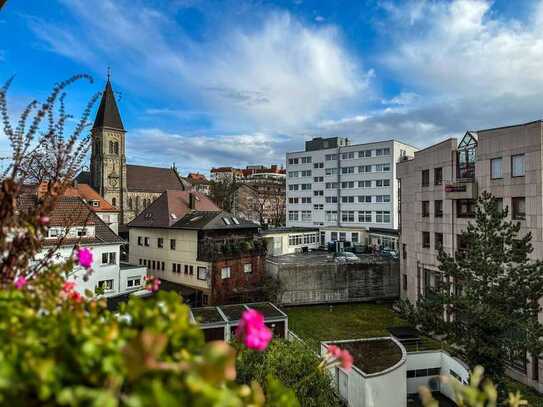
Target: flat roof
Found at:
223, 314
291, 229
354, 145
322, 257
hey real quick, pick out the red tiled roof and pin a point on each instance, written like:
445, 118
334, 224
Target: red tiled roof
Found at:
87, 193
171, 206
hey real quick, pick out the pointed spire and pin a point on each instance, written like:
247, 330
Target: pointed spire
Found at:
108, 112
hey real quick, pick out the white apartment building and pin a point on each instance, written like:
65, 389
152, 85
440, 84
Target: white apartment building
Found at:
344, 189
438, 192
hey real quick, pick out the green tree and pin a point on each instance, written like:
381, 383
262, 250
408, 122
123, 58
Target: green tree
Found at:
294, 365
486, 302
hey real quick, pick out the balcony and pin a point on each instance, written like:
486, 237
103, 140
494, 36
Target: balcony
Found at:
213, 249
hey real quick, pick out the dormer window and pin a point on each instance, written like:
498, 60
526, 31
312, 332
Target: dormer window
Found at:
226, 221
467, 156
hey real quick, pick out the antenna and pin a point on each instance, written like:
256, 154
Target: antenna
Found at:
108, 73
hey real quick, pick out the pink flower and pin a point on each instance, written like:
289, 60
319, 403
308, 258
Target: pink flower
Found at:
43, 220
252, 330
83, 257
334, 351
68, 287
20, 282
152, 283
346, 360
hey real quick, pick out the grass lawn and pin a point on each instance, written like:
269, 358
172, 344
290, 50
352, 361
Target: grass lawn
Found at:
343, 321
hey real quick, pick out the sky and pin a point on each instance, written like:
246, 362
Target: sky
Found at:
234, 83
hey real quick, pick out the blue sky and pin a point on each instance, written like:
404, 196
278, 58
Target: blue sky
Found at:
210, 83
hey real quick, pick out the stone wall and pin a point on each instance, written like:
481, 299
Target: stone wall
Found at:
329, 282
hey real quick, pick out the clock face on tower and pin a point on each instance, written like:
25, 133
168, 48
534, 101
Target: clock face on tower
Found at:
113, 181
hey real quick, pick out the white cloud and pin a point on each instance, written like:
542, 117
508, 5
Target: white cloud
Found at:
464, 49
279, 72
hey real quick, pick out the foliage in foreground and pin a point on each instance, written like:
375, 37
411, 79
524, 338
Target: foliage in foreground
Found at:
293, 364
486, 303
58, 351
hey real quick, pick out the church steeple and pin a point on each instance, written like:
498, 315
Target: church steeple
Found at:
108, 112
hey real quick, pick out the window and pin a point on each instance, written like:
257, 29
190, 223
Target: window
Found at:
438, 208
140, 241
293, 174
382, 183
133, 282
293, 215
306, 187
382, 216
172, 244
306, 160
330, 171
146, 241
318, 179
247, 268
331, 199
129, 203
347, 184
364, 216
306, 173
318, 206
519, 208
293, 200
330, 157
333, 236
364, 184
114, 201
191, 270
425, 178
225, 273
306, 200
461, 243
382, 167
425, 209
438, 240
331, 216
347, 156
438, 176
364, 168
342, 236
426, 239
160, 242
109, 258
465, 208
499, 204
306, 216
517, 165
106, 285
332, 185
364, 153
354, 237
347, 199
293, 161
347, 216
318, 165
496, 168
364, 198
404, 251
202, 273
318, 193
404, 280
382, 198
347, 170
186, 269
293, 187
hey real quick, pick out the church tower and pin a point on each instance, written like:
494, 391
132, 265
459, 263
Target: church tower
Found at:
108, 161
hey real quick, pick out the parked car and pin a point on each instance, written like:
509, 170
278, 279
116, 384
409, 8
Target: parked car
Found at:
347, 257
386, 252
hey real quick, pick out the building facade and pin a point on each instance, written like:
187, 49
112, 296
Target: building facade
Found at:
438, 192
342, 188
129, 188
73, 222
207, 255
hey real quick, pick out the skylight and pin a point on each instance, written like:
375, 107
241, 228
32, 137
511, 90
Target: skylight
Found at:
226, 221
235, 220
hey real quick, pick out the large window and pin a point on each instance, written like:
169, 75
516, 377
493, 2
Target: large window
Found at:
225, 273
425, 209
172, 244
109, 258
425, 178
519, 208
160, 242
496, 168
331, 216
465, 208
106, 285
426, 239
438, 240
292, 215
133, 282
364, 216
438, 208
202, 273
347, 216
438, 176
306, 216
382, 217
517, 165
466, 157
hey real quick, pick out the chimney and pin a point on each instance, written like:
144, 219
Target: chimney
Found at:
192, 201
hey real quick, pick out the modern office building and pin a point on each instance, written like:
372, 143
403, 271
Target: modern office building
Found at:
343, 188
438, 192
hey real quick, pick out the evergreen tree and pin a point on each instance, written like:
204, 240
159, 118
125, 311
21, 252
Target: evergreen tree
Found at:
485, 304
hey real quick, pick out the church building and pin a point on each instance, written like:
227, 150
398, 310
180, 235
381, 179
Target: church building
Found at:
129, 188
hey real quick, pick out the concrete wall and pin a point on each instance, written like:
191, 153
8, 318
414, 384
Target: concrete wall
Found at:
330, 282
